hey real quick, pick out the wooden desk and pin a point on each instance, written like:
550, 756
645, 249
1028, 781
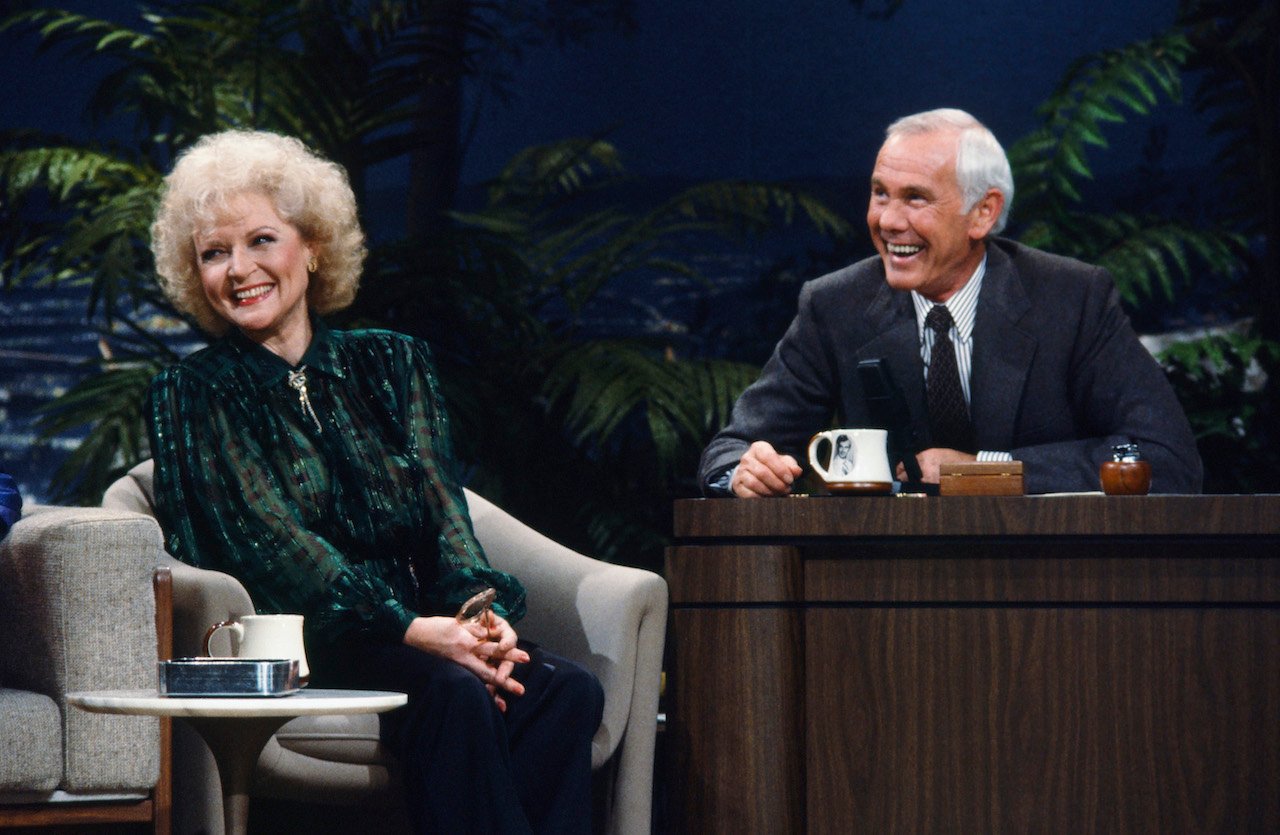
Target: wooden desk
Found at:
977, 664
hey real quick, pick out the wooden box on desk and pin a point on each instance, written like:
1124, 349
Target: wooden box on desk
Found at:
986, 478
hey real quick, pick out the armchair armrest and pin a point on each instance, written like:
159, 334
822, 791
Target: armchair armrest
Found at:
201, 598
612, 619
77, 612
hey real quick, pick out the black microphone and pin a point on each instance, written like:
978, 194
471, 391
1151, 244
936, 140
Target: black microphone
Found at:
887, 409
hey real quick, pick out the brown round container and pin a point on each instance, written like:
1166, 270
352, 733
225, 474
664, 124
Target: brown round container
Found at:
1126, 478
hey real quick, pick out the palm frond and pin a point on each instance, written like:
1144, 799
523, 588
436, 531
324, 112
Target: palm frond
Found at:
79, 33
602, 386
559, 168
1104, 88
97, 232
63, 171
573, 251
110, 404
751, 206
617, 533
1148, 256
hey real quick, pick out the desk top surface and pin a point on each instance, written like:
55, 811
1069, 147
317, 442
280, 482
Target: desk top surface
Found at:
915, 516
309, 701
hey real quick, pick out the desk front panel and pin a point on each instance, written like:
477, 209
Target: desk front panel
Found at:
1067, 719
1082, 685
980, 683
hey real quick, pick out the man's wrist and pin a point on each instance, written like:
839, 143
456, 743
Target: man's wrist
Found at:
988, 455
721, 484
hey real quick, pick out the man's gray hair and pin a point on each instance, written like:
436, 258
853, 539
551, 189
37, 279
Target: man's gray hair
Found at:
981, 163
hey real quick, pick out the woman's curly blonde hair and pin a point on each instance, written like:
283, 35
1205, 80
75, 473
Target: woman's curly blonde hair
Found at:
311, 193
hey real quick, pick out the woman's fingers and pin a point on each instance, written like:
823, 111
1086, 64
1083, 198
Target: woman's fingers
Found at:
488, 650
493, 652
498, 700
505, 681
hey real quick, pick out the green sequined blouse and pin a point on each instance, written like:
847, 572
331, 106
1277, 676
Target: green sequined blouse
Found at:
358, 524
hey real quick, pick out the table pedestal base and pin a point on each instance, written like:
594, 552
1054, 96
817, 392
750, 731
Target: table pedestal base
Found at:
235, 743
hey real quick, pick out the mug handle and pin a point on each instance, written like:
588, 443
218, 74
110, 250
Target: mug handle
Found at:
813, 454
208, 635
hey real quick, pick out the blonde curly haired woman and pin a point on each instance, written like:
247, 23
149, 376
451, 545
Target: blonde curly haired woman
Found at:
315, 465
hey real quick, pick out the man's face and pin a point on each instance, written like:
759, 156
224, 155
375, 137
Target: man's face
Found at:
926, 240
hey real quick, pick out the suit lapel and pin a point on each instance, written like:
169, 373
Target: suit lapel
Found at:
897, 341
1002, 353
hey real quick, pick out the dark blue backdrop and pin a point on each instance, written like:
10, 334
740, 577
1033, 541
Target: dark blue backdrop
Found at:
747, 88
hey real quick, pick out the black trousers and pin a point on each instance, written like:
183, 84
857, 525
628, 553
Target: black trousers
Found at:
468, 767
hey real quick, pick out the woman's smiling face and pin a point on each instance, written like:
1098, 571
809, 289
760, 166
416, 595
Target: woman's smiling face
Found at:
253, 267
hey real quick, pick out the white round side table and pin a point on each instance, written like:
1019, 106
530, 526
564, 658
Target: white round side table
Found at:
236, 728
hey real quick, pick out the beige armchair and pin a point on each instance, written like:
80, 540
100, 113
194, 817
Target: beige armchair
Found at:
611, 619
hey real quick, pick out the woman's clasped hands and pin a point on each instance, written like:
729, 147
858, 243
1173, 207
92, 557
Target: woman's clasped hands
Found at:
485, 645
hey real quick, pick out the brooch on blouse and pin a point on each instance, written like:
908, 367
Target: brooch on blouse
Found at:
298, 380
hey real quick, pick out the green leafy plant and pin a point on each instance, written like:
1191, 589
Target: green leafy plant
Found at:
1236, 62
682, 402
606, 428
348, 78
1156, 255
611, 427
114, 394
1222, 381
1237, 67
1147, 254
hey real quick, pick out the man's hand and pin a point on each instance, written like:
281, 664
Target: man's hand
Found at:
931, 460
763, 472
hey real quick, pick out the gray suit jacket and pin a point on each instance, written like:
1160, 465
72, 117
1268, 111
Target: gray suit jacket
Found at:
1058, 374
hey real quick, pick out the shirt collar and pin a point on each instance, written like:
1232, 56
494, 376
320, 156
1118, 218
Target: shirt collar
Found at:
963, 305
269, 369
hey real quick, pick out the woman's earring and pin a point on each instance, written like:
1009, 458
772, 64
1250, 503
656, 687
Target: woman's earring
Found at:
312, 264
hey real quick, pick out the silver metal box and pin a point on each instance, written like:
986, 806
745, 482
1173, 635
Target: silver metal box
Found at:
229, 677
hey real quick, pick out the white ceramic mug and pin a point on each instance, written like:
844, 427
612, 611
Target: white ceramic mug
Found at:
264, 636
858, 461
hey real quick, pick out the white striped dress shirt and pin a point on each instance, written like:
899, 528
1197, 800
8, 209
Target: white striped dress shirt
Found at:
963, 307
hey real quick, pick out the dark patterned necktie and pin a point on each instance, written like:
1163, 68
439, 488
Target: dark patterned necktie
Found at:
948, 414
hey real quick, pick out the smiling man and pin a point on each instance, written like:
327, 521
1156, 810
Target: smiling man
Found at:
1002, 351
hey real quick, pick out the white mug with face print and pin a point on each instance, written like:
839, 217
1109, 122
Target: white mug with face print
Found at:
858, 461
